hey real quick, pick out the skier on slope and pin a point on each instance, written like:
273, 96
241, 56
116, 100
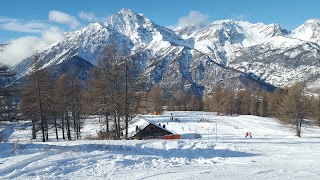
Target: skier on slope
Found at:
247, 134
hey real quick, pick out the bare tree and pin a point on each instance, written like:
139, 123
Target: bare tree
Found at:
8, 102
155, 99
36, 98
294, 106
263, 104
171, 102
8, 108
61, 102
113, 88
274, 100
254, 103
227, 101
180, 98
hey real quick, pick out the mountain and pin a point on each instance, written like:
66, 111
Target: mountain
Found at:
194, 58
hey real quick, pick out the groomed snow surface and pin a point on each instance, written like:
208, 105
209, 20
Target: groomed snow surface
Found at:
273, 152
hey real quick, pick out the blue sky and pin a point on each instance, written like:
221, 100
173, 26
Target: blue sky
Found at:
38, 20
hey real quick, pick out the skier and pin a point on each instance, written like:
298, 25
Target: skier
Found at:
247, 134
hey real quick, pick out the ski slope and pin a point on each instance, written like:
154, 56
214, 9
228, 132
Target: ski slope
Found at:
222, 152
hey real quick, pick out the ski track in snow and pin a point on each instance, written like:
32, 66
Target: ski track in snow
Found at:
273, 152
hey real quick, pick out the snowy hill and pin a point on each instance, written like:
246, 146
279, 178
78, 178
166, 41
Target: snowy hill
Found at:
272, 153
180, 57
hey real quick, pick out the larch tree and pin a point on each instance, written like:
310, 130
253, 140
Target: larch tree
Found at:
180, 97
8, 102
193, 103
263, 104
216, 98
8, 105
36, 97
113, 88
254, 103
274, 100
62, 103
294, 107
171, 104
155, 100
75, 100
227, 101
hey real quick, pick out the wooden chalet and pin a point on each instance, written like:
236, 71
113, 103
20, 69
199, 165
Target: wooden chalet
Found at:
144, 129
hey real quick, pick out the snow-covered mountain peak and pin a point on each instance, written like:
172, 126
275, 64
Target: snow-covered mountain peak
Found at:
127, 22
141, 30
222, 38
308, 31
179, 56
313, 21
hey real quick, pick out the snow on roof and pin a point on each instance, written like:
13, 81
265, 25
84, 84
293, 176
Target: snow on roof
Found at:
141, 122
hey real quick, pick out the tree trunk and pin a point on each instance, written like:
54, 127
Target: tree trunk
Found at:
34, 133
62, 127
107, 123
127, 126
115, 126
298, 127
47, 131
79, 127
68, 126
42, 124
55, 126
40, 109
74, 126
119, 127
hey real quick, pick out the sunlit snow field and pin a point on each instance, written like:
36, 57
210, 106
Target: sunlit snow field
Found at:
273, 152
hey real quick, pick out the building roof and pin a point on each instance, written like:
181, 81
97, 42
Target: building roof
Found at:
142, 123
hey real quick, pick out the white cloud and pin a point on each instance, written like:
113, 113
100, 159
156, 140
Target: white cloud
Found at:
24, 47
194, 18
241, 17
6, 19
47, 34
64, 18
52, 35
10, 24
89, 16
21, 48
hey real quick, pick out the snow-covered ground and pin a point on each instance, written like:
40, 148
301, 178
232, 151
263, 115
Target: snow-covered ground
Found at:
222, 153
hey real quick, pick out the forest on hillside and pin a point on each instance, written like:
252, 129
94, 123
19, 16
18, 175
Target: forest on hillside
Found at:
115, 93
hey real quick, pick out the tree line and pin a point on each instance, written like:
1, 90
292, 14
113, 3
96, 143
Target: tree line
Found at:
115, 93
290, 105
8, 98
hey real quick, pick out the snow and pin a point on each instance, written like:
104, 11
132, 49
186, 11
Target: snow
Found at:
224, 41
274, 152
308, 31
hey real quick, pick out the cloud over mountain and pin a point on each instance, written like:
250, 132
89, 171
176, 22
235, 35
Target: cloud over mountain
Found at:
194, 18
64, 18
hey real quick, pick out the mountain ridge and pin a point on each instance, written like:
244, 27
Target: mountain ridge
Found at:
180, 57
